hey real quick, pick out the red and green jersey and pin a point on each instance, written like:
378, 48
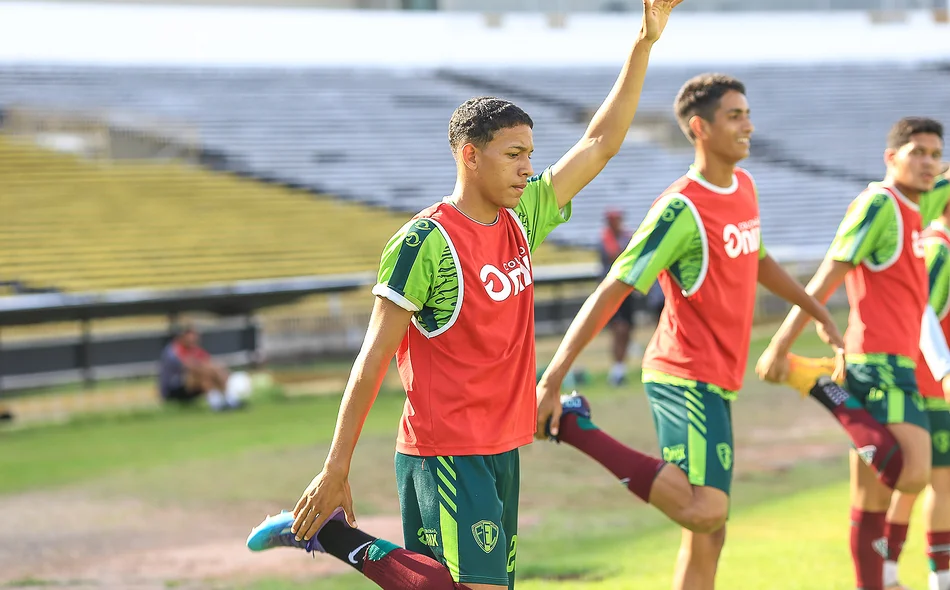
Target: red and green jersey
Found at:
887, 289
936, 242
467, 362
704, 244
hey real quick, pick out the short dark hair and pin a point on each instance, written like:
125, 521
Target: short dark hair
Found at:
700, 96
902, 131
478, 119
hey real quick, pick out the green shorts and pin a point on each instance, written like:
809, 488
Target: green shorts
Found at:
938, 410
463, 512
887, 387
694, 427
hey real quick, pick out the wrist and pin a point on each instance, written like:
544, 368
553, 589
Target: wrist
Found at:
336, 468
643, 43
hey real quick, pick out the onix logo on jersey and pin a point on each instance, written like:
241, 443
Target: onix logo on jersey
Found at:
917, 244
741, 239
513, 278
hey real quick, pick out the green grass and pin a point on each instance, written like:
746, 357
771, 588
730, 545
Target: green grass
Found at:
784, 520
797, 541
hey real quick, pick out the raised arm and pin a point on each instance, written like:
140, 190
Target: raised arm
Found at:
610, 123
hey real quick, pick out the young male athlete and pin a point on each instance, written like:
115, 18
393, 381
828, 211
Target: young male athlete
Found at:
455, 304
878, 254
936, 243
702, 239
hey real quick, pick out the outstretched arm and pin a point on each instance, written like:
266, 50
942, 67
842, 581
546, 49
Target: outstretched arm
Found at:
774, 278
330, 489
610, 123
773, 366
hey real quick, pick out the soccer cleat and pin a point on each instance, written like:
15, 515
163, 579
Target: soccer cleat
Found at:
574, 403
804, 372
275, 532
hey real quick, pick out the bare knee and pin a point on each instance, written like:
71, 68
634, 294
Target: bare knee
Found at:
914, 478
705, 518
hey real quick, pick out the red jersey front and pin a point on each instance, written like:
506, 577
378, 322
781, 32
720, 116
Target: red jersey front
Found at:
887, 289
704, 330
935, 236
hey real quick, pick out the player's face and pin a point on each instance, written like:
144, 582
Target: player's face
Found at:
504, 165
190, 339
731, 129
917, 163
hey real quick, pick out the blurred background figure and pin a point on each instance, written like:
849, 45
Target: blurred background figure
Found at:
187, 372
613, 241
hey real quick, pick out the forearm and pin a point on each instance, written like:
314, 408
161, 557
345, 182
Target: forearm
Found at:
821, 287
610, 123
358, 397
590, 320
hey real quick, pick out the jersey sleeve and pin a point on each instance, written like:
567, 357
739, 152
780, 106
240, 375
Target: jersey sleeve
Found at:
865, 230
409, 265
538, 210
937, 254
663, 237
933, 203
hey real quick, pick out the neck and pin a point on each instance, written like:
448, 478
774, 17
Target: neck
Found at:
714, 169
470, 201
913, 195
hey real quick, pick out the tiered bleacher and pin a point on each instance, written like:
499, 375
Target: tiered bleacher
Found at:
378, 137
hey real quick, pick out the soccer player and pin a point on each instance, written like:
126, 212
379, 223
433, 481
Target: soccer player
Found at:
702, 239
878, 254
936, 242
455, 305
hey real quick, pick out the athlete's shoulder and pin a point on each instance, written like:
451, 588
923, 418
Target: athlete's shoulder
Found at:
873, 196
744, 177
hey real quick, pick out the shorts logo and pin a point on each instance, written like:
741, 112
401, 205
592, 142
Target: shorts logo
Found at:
486, 534
674, 454
725, 455
942, 441
428, 537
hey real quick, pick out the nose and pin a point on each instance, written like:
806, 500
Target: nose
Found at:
527, 169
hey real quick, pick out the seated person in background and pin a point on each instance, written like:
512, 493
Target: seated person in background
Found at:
187, 371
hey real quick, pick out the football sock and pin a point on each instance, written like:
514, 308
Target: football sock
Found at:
938, 551
634, 469
875, 444
896, 535
868, 548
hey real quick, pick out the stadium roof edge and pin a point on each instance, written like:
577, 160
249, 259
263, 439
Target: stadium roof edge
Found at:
203, 36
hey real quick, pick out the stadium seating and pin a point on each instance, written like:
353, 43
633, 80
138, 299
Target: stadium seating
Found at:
78, 226
378, 137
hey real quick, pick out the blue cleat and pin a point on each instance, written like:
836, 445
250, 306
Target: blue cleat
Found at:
574, 403
275, 532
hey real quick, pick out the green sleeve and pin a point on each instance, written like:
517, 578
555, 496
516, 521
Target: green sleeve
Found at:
664, 236
933, 203
538, 210
868, 230
937, 254
410, 264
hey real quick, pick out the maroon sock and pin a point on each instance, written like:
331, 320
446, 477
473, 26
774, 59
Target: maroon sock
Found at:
631, 467
938, 550
896, 534
400, 569
874, 442
867, 548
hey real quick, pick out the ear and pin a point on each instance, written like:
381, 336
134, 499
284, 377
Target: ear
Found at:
698, 126
890, 154
468, 156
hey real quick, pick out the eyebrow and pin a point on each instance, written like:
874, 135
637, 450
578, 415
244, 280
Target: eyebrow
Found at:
520, 148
